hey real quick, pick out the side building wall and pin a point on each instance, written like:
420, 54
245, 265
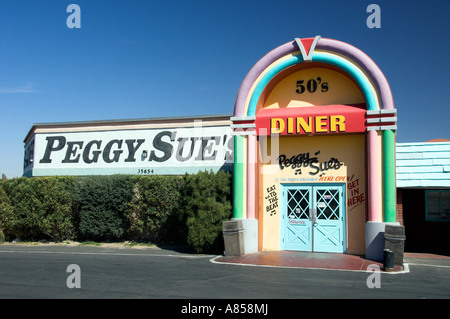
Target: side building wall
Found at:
423, 195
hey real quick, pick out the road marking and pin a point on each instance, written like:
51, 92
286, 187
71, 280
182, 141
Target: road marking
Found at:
428, 265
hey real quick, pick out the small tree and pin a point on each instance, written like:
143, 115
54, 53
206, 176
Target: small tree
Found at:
207, 201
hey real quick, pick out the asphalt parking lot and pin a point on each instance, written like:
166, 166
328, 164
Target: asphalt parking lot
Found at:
41, 272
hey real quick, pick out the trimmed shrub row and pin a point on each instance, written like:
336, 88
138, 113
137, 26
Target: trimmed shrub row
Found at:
187, 209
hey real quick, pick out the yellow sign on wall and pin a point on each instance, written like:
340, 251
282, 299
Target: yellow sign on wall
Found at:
314, 86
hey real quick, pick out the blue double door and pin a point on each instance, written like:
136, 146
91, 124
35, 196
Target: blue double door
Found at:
313, 218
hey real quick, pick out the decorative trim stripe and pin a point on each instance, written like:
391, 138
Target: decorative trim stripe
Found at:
243, 133
382, 120
243, 126
376, 119
382, 128
242, 118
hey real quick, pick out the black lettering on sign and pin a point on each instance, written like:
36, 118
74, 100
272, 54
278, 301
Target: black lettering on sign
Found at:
107, 151
311, 86
160, 145
272, 199
87, 151
52, 148
132, 149
160, 149
304, 160
71, 153
205, 147
181, 143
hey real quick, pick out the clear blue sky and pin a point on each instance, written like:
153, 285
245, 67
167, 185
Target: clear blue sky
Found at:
143, 58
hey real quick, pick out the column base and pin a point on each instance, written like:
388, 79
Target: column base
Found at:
375, 240
250, 235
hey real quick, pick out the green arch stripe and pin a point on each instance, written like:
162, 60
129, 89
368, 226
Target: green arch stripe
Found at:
389, 187
238, 177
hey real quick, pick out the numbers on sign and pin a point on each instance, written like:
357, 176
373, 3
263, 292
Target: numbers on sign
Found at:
145, 171
311, 85
300, 87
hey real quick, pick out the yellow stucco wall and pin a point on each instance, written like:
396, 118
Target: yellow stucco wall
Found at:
347, 149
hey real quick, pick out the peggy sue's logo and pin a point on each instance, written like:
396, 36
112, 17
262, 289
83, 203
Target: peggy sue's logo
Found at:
162, 147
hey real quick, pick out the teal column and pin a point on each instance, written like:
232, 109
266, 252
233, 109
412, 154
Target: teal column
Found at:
238, 177
388, 164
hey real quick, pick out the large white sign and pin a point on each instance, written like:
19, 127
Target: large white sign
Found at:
143, 151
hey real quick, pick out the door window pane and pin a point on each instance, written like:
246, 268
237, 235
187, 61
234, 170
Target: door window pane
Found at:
327, 202
298, 203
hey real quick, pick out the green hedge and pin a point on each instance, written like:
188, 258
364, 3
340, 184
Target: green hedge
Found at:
186, 209
154, 210
100, 205
36, 208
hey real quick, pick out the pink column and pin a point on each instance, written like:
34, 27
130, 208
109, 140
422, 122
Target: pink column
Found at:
374, 177
251, 178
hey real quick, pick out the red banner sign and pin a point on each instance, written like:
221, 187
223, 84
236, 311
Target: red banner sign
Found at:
330, 119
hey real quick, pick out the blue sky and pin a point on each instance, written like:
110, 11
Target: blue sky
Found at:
143, 58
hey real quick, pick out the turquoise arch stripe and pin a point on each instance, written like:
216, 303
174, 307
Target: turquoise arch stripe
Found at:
345, 65
357, 74
266, 79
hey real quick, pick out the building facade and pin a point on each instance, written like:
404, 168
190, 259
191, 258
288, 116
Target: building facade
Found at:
311, 143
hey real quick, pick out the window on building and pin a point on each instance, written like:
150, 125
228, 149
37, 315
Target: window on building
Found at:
438, 205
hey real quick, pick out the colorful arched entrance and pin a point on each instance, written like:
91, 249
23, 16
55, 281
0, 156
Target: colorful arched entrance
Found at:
314, 158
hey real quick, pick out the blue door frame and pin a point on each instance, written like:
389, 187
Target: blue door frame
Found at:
313, 217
